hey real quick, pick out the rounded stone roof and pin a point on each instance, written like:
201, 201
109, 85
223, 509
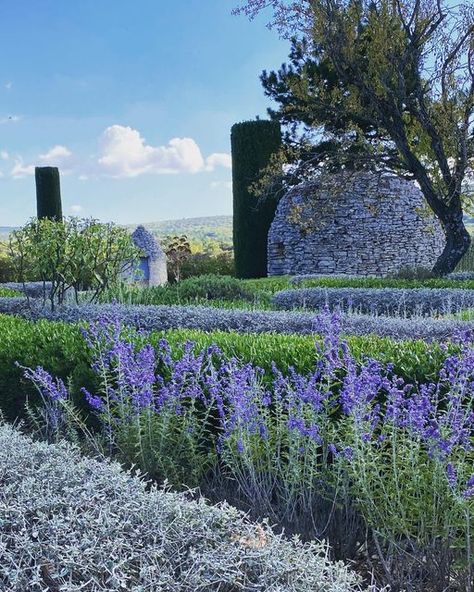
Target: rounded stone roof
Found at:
353, 223
147, 243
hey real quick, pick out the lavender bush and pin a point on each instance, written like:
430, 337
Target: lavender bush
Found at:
379, 301
348, 438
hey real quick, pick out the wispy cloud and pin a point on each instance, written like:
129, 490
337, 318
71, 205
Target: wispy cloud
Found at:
9, 85
10, 119
58, 155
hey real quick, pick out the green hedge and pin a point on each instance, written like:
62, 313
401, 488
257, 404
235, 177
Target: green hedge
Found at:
370, 282
211, 289
9, 293
60, 348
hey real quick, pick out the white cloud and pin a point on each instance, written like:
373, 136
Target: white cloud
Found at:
76, 209
4, 155
9, 85
125, 153
218, 159
56, 154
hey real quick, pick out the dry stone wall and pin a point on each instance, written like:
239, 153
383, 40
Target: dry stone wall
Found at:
363, 224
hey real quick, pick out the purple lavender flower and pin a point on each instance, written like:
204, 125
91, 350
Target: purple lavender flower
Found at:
51, 388
451, 475
469, 489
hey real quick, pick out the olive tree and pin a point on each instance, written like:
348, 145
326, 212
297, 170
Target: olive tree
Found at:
72, 255
384, 84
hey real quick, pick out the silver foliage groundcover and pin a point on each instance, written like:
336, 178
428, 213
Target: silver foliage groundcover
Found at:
381, 301
207, 318
75, 524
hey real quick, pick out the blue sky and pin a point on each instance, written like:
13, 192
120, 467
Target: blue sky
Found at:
133, 100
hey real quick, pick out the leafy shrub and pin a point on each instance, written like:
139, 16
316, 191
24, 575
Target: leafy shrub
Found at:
388, 301
70, 255
208, 264
178, 251
190, 546
7, 269
212, 287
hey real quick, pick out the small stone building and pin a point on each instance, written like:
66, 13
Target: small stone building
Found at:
152, 269
360, 223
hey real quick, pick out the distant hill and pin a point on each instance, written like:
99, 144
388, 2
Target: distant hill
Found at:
205, 229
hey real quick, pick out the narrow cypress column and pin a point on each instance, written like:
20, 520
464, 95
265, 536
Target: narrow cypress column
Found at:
48, 193
253, 143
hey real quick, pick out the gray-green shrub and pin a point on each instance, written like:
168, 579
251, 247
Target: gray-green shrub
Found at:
72, 523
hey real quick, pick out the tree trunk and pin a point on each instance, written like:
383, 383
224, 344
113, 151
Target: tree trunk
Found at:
458, 240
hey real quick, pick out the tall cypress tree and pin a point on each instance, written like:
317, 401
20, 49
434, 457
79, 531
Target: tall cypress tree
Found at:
253, 143
48, 193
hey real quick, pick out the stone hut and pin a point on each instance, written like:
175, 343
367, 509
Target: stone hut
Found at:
360, 223
152, 269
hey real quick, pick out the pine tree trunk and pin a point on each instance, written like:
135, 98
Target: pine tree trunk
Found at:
458, 240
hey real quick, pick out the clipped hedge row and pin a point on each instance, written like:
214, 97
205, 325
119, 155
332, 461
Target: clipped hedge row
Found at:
60, 348
461, 280
9, 292
71, 523
381, 301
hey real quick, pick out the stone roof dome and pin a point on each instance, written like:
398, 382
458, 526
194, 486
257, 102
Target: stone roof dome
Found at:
147, 243
360, 223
